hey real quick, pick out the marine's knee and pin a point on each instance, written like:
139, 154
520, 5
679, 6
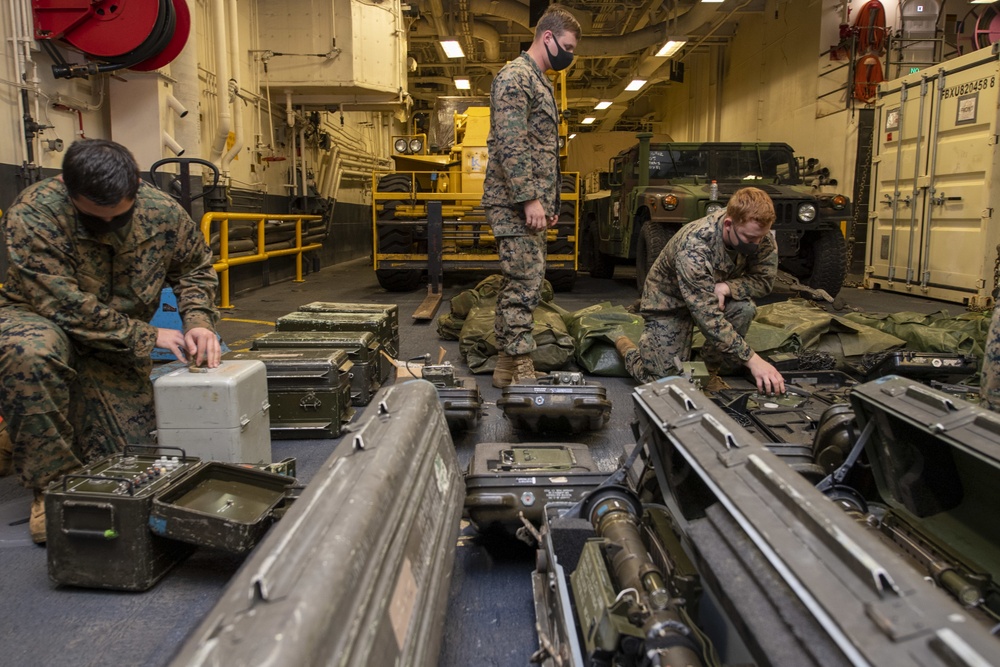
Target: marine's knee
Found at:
34, 347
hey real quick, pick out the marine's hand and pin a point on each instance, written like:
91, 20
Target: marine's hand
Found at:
173, 340
769, 380
721, 292
553, 219
534, 216
203, 346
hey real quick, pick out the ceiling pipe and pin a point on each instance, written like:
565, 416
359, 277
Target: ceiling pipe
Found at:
490, 38
688, 24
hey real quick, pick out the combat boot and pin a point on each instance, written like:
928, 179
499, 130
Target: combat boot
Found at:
504, 371
6, 451
624, 345
36, 522
524, 369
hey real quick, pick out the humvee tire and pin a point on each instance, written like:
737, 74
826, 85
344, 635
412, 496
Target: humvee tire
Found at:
652, 238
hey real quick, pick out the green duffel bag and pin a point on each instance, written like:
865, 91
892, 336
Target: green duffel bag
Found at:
478, 342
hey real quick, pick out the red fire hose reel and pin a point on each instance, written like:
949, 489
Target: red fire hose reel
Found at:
114, 34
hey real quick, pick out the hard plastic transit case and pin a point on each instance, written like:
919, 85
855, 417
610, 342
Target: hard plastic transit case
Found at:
309, 390
806, 580
124, 521
377, 323
220, 414
561, 401
507, 479
362, 348
389, 309
357, 572
460, 396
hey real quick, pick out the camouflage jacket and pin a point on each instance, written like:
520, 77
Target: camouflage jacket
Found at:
104, 289
685, 273
523, 143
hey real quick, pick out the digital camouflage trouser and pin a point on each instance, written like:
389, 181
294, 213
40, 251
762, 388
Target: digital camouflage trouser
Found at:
669, 335
65, 406
989, 386
522, 263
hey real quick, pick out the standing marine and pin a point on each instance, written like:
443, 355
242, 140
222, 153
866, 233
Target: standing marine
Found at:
708, 275
89, 253
521, 188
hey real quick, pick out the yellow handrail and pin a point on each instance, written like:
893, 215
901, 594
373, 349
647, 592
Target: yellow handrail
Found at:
262, 254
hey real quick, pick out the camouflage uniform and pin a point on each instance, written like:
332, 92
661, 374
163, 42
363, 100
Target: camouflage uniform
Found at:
523, 165
989, 389
75, 341
678, 295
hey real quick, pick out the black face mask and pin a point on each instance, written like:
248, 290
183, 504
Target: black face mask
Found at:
744, 247
561, 59
97, 225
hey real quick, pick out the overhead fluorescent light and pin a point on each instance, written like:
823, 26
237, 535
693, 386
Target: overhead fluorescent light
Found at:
672, 46
588, 120
452, 48
601, 106
720, 1
572, 136
636, 84
462, 84
982, 2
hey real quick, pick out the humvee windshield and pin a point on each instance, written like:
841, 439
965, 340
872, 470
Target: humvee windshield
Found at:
753, 163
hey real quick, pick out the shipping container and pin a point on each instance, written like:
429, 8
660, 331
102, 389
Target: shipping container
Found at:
933, 194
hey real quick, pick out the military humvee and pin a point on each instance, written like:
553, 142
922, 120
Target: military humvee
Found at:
651, 190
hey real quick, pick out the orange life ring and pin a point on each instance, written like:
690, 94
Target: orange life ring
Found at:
870, 26
867, 76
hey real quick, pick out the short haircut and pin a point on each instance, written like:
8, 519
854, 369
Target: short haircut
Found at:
557, 19
748, 204
104, 172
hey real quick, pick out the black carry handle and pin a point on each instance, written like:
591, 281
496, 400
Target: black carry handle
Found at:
185, 198
128, 448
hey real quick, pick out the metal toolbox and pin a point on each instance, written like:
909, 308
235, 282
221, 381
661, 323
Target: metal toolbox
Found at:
124, 521
560, 401
506, 479
219, 505
362, 348
377, 323
218, 413
309, 390
391, 310
460, 396
357, 572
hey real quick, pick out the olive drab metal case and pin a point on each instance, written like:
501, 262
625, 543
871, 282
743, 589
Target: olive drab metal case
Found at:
391, 310
357, 571
122, 522
309, 390
363, 349
377, 323
220, 414
560, 401
507, 479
